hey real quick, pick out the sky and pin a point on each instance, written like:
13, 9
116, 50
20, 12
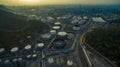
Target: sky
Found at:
47, 2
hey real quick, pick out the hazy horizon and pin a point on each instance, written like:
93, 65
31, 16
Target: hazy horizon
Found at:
55, 2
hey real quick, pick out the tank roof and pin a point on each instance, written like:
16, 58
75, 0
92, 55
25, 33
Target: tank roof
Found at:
57, 23
14, 49
28, 56
70, 62
40, 44
46, 36
14, 60
28, 47
50, 60
6, 61
2, 49
56, 27
62, 33
19, 59
34, 55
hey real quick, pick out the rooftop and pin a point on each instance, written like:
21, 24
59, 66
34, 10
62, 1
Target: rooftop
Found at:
98, 19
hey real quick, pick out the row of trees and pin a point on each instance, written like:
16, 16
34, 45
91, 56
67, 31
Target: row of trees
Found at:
106, 41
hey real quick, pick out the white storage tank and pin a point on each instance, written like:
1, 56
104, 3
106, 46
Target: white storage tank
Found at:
39, 45
76, 27
34, 55
2, 50
14, 60
62, 33
46, 36
14, 49
28, 56
85, 17
50, 60
70, 63
56, 27
53, 32
57, 23
27, 47
6, 61
20, 59
28, 37
21, 62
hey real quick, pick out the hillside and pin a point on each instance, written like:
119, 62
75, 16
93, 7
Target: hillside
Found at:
14, 28
106, 41
12, 22
4, 8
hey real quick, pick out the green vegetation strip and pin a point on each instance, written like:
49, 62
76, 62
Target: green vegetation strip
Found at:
106, 41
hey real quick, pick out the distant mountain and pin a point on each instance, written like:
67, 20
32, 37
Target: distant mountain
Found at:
10, 21
2, 7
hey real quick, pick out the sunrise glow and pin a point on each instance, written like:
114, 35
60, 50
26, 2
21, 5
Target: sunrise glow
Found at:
47, 2
31, 0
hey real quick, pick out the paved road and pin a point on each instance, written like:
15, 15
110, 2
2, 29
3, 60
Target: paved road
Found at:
97, 61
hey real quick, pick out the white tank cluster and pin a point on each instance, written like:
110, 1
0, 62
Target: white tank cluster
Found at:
27, 47
62, 33
14, 49
76, 27
32, 56
2, 50
52, 32
13, 62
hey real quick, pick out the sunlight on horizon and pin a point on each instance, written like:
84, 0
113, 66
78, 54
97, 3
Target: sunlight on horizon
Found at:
47, 2
31, 0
